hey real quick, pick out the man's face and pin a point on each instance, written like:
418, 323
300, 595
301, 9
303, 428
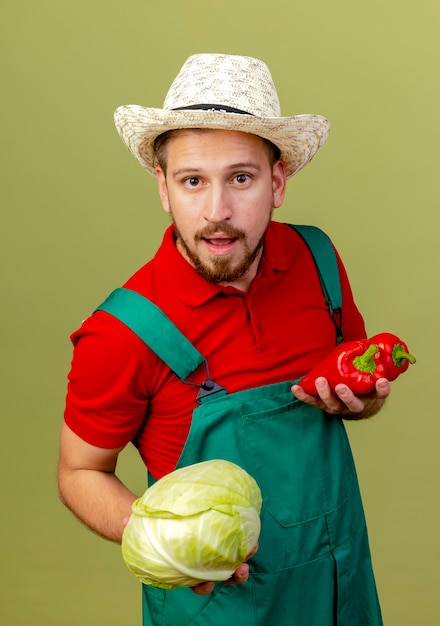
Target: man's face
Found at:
220, 189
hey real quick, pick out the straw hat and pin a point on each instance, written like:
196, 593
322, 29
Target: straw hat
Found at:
222, 91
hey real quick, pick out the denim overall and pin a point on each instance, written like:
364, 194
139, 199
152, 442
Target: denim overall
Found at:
313, 566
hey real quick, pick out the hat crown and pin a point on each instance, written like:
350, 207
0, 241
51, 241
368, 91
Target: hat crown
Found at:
239, 82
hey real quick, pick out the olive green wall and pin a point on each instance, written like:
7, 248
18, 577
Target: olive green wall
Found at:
79, 216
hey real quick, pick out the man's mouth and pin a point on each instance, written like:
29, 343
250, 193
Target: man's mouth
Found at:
219, 245
220, 241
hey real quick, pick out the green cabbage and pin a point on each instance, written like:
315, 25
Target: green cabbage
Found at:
195, 524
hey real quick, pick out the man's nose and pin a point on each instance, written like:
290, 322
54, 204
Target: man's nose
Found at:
218, 206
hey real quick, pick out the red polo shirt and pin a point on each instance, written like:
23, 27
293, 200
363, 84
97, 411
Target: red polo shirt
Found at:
119, 391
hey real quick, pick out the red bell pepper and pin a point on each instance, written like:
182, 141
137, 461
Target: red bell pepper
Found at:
394, 354
359, 364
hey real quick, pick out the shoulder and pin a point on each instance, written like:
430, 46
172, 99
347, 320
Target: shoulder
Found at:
287, 245
286, 233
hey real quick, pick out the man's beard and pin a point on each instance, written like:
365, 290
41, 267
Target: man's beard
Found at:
220, 270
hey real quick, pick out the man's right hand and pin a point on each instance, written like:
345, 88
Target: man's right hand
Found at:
239, 577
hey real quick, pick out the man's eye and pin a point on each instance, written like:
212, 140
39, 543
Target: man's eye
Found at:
242, 178
192, 182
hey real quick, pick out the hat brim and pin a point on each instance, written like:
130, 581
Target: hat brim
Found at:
299, 138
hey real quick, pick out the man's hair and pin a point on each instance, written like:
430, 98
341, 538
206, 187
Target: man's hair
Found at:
161, 142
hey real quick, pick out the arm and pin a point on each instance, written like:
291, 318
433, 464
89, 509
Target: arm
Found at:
88, 485
344, 402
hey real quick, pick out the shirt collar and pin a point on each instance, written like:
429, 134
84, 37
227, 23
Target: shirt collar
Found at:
174, 271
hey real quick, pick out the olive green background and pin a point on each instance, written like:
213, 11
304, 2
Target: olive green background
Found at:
79, 216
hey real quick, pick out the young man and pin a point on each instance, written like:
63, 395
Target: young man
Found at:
245, 292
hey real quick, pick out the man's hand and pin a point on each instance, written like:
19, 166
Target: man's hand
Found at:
239, 577
343, 402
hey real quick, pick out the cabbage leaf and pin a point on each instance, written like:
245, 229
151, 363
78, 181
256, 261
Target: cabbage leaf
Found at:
195, 524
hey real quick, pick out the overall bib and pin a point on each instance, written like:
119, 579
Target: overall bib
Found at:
313, 566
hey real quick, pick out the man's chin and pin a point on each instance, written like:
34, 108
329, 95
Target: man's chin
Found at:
220, 271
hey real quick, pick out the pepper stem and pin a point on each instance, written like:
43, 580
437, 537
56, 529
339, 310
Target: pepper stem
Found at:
400, 355
365, 362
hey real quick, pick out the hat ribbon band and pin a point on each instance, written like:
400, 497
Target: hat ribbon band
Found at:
220, 108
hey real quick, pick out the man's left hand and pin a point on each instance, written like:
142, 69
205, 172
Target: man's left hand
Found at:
343, 401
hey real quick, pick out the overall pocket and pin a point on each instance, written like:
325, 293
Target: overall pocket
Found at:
301, 459
229, 604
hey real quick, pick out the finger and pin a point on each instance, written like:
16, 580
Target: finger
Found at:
126, 520
332, 403
383, 388
203, 589
300, 394
240, 575
352, 403
252, 552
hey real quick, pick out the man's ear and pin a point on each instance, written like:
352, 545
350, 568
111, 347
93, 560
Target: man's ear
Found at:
278, 183
163, 189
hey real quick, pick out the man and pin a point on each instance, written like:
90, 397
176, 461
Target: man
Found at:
245, 293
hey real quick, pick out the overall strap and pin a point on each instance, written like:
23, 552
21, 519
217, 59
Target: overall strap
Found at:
145, 319
326, 264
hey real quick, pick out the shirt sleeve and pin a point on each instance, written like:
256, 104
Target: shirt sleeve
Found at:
107, 397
